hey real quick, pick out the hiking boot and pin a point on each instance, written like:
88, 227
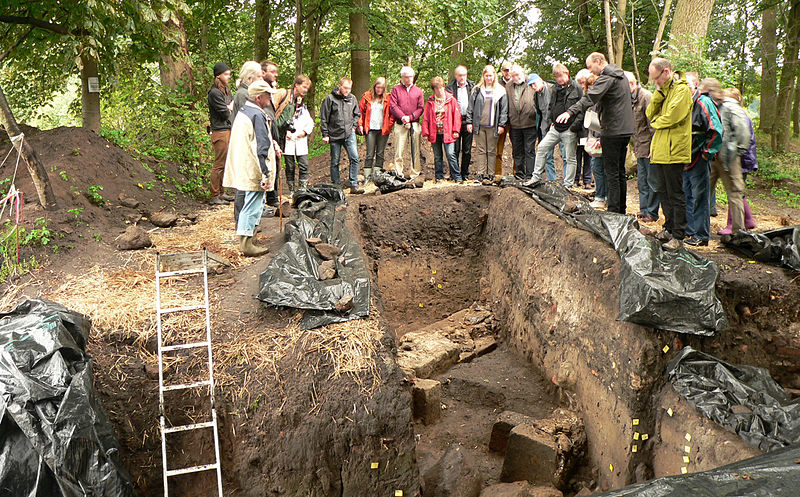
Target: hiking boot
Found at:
663, 236
356, 190
713, 211
249, 249
290, 186
599, 204
217, 200
696, 242
227, 198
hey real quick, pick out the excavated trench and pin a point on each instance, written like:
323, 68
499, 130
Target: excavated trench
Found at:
483, 265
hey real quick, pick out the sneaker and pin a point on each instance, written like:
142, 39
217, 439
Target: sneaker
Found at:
269, 212
217, 201
696, 242
713, 211
227, 198
355, 190
599, 204
674, 245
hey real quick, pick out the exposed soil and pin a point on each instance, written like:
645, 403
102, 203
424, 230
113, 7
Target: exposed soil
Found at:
296, 430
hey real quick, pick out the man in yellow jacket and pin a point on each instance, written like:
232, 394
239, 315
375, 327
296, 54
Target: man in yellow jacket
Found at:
670, 115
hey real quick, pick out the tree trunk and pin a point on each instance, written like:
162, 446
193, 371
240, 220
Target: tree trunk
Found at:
661, 25
769, 68
298, 37
783, 107
90, 94
263, 30
175, 66
313, 25
796, 109
35, 167
690, 23
359, 41
609, 40
619, 32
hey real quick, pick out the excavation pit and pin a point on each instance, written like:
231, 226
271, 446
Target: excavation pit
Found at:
553, 291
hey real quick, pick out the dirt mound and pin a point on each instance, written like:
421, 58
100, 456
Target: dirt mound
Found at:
92, 178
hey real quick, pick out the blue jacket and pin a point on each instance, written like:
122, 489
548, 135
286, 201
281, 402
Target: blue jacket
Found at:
706, 129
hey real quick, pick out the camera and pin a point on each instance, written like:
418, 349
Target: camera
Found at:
290, 125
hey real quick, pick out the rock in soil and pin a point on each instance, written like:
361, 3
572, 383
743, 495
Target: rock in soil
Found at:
425, 354
313, 241
127, 201
163, 219
151, 370
427, 400
328, 251
345, 303
519, 489
506, 421
454, 475
418, 182
134, 238
327, 270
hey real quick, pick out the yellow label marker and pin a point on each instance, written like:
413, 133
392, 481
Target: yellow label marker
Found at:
439, 285
636, 435
688, 437
421, 305
634, 448
611, 467
686, 459
669, 412
398, 493
751, 262
687, 449
594, 260
635, 421
645, 436
684, 470
373, 465
433, 272
666, 348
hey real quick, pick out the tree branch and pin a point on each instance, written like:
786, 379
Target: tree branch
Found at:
16, 44
38, 23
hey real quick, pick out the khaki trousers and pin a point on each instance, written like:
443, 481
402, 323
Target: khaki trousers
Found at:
219, 142
498, 165
400, 137
486, 152
734, 188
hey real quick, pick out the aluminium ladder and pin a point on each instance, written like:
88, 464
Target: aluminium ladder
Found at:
184, 262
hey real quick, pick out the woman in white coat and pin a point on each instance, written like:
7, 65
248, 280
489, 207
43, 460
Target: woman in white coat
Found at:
296, 150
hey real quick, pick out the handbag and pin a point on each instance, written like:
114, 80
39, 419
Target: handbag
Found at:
591, 120
593, 147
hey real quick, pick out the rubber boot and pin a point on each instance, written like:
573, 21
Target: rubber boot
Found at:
749, 220
303, 184
249, 249
290, 185
727, 230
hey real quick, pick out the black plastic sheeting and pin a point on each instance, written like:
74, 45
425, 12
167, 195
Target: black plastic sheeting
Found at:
55, 438
389, 181
291, 279
673, 291
775, 247
775, 474
768, 419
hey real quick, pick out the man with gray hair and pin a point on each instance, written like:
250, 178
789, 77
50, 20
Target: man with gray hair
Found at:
406, 104
522, 118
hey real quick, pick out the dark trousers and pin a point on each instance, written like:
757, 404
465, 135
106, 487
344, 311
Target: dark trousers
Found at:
464, 149
673, 201
615, 148
523, 148
583, 172
299, 160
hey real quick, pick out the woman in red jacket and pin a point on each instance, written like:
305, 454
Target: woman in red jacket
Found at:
441, 124
376, 123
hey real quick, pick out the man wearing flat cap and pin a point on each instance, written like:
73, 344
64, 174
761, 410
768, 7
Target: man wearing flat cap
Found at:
251, 166
220, 105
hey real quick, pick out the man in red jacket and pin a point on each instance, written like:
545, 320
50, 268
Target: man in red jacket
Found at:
405, 105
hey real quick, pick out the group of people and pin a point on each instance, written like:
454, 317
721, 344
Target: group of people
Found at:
685, 136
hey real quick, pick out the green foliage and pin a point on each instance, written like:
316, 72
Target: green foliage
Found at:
94, 196
5, 185
63, 175
76, 213
685, 60
38, 236
786, 196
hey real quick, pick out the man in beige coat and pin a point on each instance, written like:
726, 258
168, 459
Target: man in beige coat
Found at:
251, 163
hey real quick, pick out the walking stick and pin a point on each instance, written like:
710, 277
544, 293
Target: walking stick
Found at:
280, 199
411, 139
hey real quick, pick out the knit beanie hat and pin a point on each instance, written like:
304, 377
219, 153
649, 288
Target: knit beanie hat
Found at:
219, 68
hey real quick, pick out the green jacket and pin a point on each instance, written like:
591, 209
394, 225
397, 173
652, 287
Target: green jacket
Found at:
670, 114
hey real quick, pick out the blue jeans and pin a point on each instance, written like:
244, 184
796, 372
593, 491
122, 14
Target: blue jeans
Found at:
600, 191
349, 145
564, 139
250, 215
440, 149
648, 188
696, 187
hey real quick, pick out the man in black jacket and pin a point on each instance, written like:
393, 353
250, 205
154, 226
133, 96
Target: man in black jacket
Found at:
220, 105
613, 96
565, 94
461, 88
338, 120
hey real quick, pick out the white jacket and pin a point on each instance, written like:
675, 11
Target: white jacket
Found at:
303, 123
247, 146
